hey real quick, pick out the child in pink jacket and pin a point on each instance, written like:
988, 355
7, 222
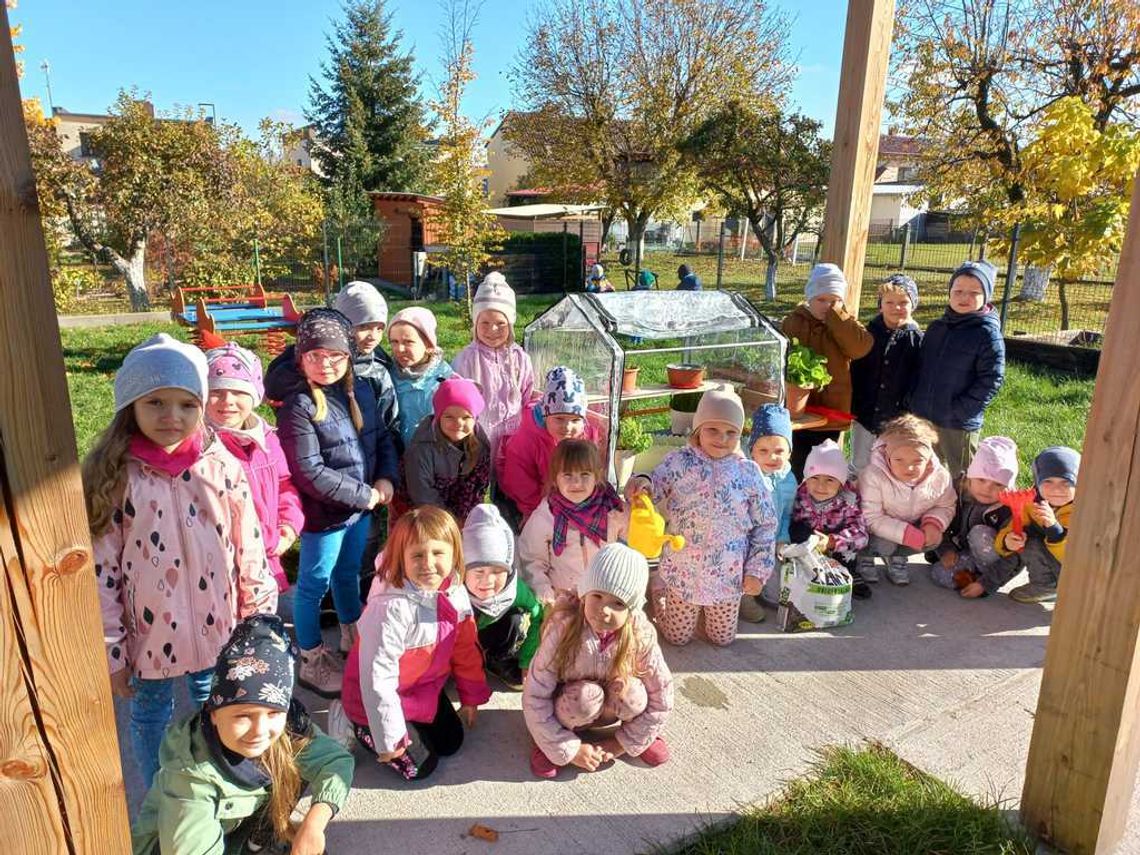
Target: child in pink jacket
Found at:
417, 632
495, 362
908, 497
235, 390
524, 457
177, 544
598, 664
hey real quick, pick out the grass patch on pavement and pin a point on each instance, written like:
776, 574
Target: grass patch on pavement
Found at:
866, 800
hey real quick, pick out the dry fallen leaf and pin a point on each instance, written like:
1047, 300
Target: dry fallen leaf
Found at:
484, 833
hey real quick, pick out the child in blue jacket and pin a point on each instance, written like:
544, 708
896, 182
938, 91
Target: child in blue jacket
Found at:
770, 447
962, 365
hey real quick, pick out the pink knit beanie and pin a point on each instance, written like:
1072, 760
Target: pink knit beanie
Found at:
457, 392
719, 405
826, 459
420, 318
995, 460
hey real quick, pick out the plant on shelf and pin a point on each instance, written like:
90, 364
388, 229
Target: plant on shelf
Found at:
685, 403
632, 437
806, 370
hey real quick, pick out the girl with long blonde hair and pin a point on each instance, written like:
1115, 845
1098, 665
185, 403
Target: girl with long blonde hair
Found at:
599, 664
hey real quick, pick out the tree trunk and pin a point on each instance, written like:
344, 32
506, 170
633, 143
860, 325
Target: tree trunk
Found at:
607, 223
133, 269
1034, 283
770, 276
1063, 297
637, 238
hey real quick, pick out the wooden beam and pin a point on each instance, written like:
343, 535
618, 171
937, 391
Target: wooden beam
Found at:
862, 86
50, 627
1085, 748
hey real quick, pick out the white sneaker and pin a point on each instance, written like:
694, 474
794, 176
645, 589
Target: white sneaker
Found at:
321, 671
898, 570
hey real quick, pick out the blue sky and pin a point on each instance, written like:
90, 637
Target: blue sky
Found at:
253, 58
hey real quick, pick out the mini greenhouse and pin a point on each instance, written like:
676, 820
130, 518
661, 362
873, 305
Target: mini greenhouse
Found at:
601, 335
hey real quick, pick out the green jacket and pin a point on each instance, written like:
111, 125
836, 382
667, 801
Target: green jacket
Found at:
526, 602
193, 809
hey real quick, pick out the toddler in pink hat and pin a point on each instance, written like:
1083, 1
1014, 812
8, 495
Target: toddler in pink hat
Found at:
418, 366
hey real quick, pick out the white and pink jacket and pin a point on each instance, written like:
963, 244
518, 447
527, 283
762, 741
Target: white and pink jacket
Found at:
275, 499
593, 662
895, 510
183, 561
411, 642
544, 571
505, 376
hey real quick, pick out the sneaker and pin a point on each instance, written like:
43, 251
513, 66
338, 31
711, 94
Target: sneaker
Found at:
541, 766
509, 673
348, 636
1034, 593
931, 557
865, 567
656, 754
321, 671
860, 590
898, 570
751, 610
415, 764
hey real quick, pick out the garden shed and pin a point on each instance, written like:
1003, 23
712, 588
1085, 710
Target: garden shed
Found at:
601, 335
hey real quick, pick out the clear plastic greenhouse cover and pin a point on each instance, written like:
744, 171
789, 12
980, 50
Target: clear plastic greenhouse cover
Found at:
660, 314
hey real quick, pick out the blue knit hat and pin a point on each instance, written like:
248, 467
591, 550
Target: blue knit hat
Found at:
983, 271
901, 280
565, 393
160, 362
1057, 461
255, 666
770, 420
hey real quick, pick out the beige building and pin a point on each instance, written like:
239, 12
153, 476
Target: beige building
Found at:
297, 149
506, 165
74, 130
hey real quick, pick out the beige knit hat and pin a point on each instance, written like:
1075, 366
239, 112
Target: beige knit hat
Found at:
720, 405
618, 570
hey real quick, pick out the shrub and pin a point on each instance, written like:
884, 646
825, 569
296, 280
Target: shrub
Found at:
67, 283
633, 437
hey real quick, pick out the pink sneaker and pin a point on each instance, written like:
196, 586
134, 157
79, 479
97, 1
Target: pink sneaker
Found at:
656, 754
540, 764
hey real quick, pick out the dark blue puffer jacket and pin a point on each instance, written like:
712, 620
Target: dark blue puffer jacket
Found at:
332, 465
882, 380
961, 370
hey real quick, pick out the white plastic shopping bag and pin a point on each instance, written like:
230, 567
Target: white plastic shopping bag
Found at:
815, 591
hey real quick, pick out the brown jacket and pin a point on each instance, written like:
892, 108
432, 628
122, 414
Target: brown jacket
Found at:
840, 339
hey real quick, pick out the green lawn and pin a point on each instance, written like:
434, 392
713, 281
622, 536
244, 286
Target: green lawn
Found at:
869, 801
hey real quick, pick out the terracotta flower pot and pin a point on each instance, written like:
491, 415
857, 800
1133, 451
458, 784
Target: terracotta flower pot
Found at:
682, 376
629, 380
796, 398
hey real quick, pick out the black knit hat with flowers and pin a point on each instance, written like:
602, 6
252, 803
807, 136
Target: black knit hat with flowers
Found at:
323, 329
255, 666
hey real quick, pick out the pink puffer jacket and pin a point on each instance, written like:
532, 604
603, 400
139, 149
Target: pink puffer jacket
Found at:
890, 506
183, 561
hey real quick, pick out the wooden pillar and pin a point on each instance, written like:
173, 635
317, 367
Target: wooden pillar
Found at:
862, 85
1086, 744
61, 788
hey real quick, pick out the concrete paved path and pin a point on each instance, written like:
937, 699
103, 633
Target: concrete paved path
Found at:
949, 684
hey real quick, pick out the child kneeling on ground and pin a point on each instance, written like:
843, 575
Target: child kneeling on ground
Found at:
908, 497
507, 613
231, 775
417, 631
599, 664
1046, 524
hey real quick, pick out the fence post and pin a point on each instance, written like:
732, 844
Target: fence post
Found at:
565, 253
325, 258
257, 261
982, 249
339, 266
904, 246
582, 251
1010, 273
720, 257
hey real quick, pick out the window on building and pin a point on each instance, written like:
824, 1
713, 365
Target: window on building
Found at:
908, 173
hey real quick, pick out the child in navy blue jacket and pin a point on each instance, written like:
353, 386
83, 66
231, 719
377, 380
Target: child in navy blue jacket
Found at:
881, 381
343, 462
962, 365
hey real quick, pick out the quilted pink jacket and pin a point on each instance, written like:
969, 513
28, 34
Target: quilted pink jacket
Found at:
593, 663
505, 376
889, 505
183, 561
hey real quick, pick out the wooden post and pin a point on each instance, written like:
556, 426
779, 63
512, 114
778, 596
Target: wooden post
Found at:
61, 785
1085, 748
862, 85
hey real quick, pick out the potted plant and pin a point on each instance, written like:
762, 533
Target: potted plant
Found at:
681, 409
632, 441
629, 378
806, 370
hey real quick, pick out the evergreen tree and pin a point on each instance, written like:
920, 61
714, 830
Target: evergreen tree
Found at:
370, 123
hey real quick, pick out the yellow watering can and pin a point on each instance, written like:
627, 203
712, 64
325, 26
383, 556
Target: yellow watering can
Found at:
647, 529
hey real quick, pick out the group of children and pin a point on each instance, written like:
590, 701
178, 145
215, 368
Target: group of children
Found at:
193, 498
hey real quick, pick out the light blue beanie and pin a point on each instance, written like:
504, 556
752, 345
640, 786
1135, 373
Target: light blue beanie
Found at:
160, 362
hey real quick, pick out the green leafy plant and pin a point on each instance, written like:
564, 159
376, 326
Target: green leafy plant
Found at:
633, 437
685, 403
806, 368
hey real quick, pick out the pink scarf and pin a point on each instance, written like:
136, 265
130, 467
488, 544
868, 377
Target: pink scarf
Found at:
591, 517
173, 463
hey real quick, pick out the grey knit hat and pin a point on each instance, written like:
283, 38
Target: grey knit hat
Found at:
825, 278
160, 362
494, 294
983, 271
487, 539
361, 303
618, 570
901, 280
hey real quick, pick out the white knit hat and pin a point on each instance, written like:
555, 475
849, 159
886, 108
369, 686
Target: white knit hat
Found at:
361, 303
826, 459
825, 279
494, 294
720, 405
160, 362
487, 539
618, 570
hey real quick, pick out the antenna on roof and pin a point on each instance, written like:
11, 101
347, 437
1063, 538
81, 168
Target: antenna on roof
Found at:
45, 67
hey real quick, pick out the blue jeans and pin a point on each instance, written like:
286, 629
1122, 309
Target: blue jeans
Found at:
152, 707
328, 555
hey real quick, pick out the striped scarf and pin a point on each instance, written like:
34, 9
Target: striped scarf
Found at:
590, 517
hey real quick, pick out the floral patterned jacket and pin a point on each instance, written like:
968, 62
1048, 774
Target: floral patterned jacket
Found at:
725, 512
840, 516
